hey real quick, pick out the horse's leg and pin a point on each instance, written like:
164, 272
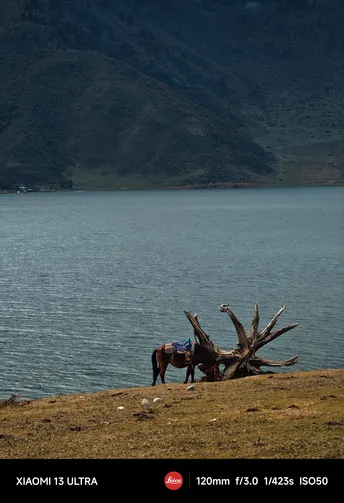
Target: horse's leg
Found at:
163, 362
155, 366
188, 372
163, 369
192, 371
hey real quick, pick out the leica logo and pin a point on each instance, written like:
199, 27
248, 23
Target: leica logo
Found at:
173, 480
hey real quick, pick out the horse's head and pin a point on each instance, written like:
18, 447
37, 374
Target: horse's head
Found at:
211, 372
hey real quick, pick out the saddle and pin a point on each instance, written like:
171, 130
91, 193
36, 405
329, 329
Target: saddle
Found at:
185, 347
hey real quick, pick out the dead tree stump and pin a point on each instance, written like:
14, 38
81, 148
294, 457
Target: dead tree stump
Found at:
241, 360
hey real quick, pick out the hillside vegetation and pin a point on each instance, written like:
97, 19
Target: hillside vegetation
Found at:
294, 415
115, 93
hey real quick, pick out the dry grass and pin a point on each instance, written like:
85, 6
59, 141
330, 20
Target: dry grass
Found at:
295, 415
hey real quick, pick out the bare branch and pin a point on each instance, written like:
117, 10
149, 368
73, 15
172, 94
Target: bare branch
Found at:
243, 342
253, 334
274, 335
228, 359
252, 369
272, 323
242, 359
260, 362
228, 355
200, 335
231, 369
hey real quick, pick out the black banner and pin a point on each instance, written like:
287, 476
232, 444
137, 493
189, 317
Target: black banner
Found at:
173, 476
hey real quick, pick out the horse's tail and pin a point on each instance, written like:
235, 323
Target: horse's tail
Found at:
155, 365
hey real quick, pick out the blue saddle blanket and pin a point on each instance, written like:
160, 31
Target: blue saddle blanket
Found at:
183, 346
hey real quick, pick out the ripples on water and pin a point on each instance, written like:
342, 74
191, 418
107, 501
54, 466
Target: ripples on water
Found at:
92, 282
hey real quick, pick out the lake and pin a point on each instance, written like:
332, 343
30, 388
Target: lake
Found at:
92, 282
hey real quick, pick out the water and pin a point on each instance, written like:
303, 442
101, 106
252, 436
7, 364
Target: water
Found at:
92, 282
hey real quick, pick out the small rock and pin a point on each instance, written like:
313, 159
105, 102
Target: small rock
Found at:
212, 420
334, 423
75, 428
191, 387
145, 402
326, 397
140, 416
120, 408
157, 400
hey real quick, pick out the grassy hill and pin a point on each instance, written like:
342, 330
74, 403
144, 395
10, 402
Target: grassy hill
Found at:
113, 93
86, 116
291, 415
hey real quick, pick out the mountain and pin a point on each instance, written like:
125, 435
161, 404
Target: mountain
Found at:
138, 93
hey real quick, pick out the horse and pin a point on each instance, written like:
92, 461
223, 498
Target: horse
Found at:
161, 359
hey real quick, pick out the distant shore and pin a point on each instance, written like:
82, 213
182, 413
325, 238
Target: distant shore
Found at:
213, 186
286, 415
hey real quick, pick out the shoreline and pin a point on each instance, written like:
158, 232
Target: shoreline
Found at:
215, 186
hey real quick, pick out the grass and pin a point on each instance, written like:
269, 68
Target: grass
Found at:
294, 415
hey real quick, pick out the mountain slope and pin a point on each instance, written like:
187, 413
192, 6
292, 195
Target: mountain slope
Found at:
275, 64
80, 115
270, 69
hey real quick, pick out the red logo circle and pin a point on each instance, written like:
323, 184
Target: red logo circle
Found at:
173, 481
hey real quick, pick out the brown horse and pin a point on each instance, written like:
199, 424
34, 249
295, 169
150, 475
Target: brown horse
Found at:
161, 359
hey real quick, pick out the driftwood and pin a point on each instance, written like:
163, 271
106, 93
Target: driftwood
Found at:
242, 359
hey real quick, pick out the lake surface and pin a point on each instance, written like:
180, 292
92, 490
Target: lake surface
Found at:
92, 282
